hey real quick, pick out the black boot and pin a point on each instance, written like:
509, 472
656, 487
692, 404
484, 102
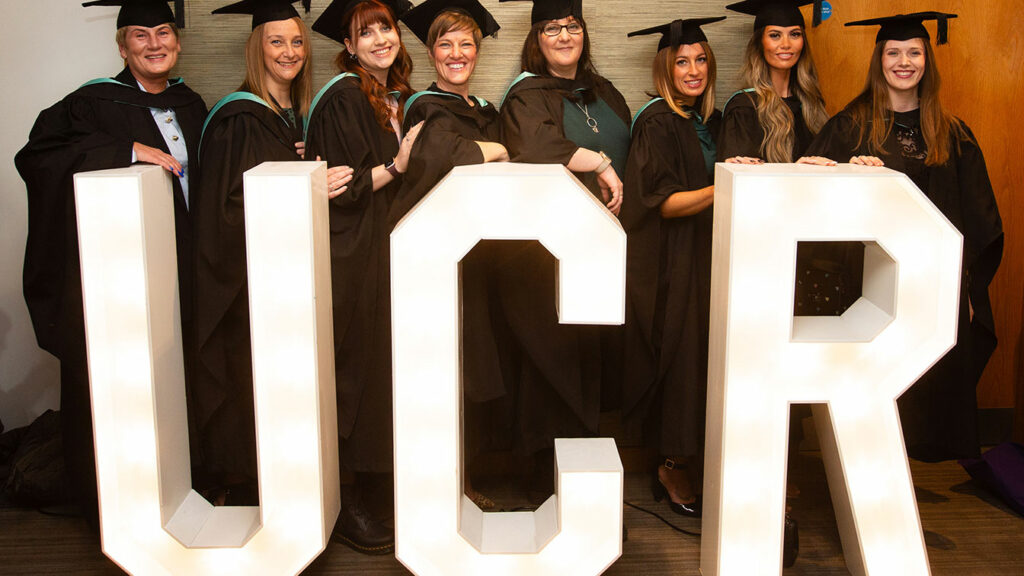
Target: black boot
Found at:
790, 542
357, 529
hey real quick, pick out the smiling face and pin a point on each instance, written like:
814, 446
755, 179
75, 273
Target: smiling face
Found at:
782, 46
903, 64
562, 52
375, 46
150, 52
690, 73
284, 51
454, 57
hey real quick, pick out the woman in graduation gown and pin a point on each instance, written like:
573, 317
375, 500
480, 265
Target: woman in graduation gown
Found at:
260, 122
560, 111
356, 120
667, 214
460, 129
898, 121
140, 115
775, 118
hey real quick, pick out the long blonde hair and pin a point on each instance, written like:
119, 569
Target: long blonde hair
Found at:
256, 74
773, 114
665, 83
873, 107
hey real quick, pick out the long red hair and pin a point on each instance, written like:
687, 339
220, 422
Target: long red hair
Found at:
361, 16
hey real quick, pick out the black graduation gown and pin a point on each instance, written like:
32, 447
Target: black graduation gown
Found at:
343, 131
241, 133
939, 413
93, 128
560, 367
668, 283
742, 134
532, 113
448, 139
451, 130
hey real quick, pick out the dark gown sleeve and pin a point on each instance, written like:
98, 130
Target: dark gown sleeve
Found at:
657, 168
439, 147
230, 147
668, 286
66, 138
653, 173
837, 140
340, 136
983, 242
741, 133
343, 131
531, 122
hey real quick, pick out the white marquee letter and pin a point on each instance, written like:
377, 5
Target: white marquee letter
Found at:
438, 530
152, 521
852, 368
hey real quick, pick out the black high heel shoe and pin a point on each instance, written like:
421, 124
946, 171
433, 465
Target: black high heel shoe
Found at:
691, 509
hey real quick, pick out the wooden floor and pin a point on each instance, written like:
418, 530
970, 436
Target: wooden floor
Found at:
967, 531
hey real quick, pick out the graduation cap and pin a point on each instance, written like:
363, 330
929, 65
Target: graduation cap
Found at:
907, 26
421, 17
332, 22
679, 32
148, 13
777, 12
263, 11
553, 9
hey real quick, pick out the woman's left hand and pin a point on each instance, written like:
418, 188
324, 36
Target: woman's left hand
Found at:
338, 179
300, 149
867, 161
405, 148
611, 189
816, 161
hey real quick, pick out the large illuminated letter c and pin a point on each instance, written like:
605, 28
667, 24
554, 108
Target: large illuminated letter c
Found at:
438, 530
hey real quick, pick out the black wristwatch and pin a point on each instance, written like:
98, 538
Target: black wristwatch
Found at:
390, 167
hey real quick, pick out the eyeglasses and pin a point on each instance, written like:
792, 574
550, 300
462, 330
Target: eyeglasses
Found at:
553, 29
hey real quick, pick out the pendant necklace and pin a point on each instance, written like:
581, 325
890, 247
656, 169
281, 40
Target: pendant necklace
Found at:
590, 120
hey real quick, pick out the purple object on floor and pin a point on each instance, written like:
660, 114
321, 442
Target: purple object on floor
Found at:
1001, 470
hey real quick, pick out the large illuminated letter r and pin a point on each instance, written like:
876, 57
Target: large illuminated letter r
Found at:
851, 368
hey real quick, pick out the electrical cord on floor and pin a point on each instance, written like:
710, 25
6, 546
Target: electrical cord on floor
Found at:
659, 517
627, 503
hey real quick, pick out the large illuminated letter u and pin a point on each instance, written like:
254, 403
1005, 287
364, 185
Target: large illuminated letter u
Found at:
152, 521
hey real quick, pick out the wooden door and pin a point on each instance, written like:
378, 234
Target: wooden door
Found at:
982, 70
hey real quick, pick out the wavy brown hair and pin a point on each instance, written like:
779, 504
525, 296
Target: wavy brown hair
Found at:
773, 114
357, 18
873, 108
665, 82
256, 74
